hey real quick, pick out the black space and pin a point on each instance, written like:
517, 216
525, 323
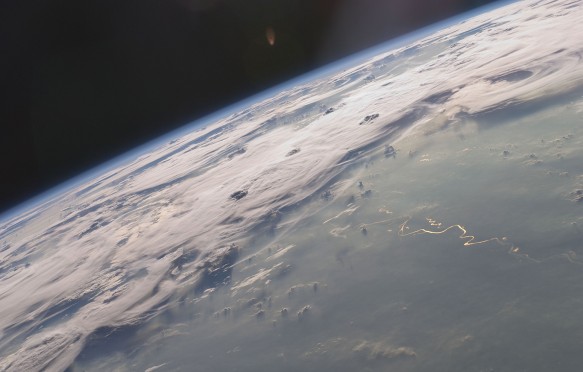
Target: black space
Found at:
84, 80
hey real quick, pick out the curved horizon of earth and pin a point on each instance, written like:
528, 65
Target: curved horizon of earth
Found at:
418, 210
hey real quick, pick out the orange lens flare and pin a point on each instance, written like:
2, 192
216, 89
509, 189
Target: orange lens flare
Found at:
270, 35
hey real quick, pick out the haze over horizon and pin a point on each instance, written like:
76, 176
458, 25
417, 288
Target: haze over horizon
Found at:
84, 82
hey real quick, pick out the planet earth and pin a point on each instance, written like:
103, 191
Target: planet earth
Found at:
417, 207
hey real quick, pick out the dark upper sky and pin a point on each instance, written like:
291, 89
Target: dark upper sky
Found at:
84, 80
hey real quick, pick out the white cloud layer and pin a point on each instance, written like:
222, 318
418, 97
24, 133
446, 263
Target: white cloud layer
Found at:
121, 248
